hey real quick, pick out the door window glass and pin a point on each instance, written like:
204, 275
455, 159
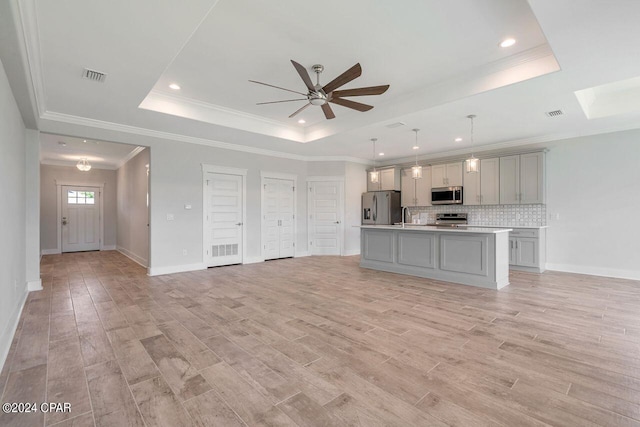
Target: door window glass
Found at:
81, 197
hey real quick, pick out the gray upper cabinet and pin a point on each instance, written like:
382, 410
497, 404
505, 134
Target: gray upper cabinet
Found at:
483, 188
522, 179
448, 175
416, 192
389, 180
489, 181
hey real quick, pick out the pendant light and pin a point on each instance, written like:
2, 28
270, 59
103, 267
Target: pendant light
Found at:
374, 175
416, 171
83, 165
472, 163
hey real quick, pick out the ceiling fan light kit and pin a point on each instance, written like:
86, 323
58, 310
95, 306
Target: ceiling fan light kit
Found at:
321, 96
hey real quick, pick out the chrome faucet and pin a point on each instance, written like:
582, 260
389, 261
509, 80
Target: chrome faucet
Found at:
404, 210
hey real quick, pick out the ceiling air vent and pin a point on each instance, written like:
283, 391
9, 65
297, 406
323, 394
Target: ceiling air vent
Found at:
94, 75
396, 125
554, 113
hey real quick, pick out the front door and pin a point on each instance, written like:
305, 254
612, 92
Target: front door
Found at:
223, 224
80, 219
325, 217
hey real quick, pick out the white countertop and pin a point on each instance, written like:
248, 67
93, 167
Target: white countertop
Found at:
413, 227
535, 227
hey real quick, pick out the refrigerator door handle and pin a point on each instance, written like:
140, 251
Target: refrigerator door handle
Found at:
375, 208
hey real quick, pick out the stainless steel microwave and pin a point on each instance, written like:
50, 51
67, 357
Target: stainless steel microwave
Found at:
446, 196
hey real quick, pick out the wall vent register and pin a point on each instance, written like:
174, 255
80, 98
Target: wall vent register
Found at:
224, 250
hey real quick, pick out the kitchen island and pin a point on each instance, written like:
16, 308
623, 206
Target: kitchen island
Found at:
476, 256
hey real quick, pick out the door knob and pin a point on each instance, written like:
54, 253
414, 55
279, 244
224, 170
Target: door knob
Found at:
238, 223
64, 220
337, 222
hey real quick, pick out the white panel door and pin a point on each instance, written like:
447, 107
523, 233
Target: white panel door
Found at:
278, 220
80, 219
325, 217
223, 225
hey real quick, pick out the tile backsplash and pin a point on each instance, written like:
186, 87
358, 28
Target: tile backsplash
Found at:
496, 215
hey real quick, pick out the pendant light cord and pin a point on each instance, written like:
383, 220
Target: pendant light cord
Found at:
471, 117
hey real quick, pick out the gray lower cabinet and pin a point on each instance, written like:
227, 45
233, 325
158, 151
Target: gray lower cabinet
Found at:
527, 249
470, 258
418, 250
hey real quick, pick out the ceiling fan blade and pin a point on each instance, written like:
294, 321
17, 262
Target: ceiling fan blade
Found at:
361, 91
286, 100
304, 75
278, 87
351, 104
328, 112
299, 110
343, 79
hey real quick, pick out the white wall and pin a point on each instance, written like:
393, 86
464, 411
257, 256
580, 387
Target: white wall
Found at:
49, 201
176, 180
133, 212
13, 289
593, 204
32, 183
355, 184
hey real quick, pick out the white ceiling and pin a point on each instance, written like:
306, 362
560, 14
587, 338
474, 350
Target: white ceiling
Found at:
441, 59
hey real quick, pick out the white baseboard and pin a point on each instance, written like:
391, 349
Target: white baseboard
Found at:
50, 251
595, 271
109, 248
34, 285
253, 260
133, 257
352, 252
300, 254
170, 269
7, 335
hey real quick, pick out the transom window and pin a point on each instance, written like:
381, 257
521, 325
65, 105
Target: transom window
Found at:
81, 197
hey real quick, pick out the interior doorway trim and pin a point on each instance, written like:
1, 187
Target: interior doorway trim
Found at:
207, 168
59, 185
278, 175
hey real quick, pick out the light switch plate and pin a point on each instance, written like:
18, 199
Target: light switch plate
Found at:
169, 217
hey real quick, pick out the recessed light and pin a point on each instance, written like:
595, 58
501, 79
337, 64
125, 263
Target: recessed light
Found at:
302, 121
174, 86
381, 154
507, 42
415, 147
458, 139
64, 144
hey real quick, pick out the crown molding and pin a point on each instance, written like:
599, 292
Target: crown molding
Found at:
129, 156
30, 51
193, 109
542, 141
110, 126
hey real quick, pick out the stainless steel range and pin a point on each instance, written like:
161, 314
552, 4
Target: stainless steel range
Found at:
452, 220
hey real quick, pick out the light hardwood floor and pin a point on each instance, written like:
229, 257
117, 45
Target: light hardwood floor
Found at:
319, 341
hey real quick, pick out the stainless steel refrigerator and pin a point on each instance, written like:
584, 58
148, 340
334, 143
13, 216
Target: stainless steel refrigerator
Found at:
381, 208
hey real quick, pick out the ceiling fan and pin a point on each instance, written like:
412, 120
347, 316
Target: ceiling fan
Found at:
322, 95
